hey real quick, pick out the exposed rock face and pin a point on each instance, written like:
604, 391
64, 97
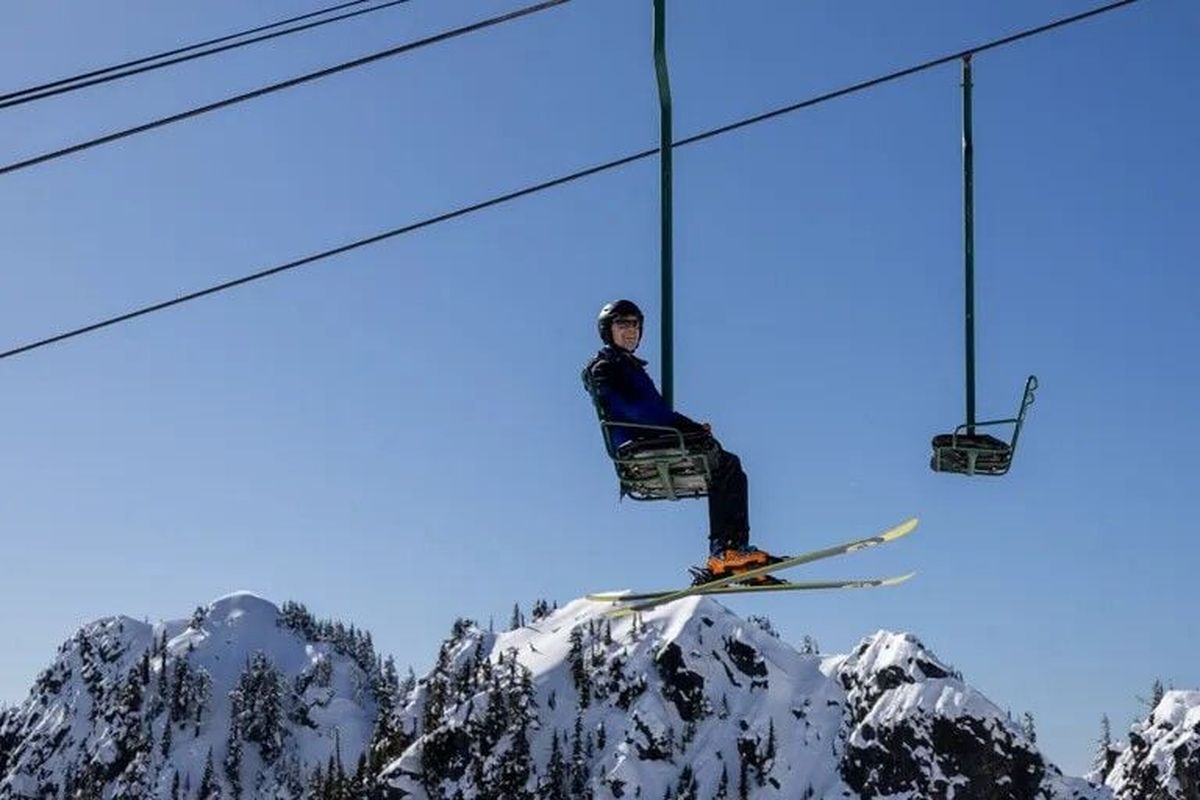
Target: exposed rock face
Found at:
1162, 761
917, 729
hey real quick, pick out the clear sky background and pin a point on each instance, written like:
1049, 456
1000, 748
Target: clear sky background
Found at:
399, 437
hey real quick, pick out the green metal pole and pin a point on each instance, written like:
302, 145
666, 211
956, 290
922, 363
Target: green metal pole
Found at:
668, 283
969, 240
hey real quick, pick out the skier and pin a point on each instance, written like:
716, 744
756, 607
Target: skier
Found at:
626, 393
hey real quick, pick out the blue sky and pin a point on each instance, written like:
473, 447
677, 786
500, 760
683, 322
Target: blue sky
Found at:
398, 437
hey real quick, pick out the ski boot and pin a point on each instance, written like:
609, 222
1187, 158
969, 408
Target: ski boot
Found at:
724, 562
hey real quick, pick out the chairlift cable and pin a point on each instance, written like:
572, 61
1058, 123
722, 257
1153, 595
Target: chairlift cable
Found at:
277, 87
465, 210
182, 54
903, 73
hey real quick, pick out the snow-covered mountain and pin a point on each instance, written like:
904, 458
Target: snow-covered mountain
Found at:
241, 697
691, 701
686, 701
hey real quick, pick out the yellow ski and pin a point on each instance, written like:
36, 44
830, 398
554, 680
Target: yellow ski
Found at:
710, 587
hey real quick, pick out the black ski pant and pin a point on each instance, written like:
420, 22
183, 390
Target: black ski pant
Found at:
728, 488
728, 500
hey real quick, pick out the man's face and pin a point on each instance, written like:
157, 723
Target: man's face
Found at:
626, 333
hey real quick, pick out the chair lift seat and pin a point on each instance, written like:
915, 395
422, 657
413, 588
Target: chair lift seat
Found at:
659, 469
664, 464
980, 453
970, 454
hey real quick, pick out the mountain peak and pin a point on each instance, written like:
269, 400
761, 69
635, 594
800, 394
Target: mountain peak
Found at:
238, 690
231, 607
688, 699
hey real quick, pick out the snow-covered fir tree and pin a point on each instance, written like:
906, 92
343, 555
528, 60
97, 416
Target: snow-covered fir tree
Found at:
1028, 727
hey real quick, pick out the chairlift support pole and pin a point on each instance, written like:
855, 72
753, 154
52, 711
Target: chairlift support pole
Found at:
963, 451
969, 240
668, 284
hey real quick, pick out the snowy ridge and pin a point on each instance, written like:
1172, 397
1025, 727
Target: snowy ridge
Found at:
692, 701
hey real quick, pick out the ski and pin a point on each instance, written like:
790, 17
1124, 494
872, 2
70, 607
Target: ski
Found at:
786, 586
891, 534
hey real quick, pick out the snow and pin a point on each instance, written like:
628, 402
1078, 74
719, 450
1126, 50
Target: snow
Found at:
686, 684
1177, 709
59, 731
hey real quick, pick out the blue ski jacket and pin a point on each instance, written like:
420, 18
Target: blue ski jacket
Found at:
626, 393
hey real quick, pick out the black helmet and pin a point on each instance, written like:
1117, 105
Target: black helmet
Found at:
617, 308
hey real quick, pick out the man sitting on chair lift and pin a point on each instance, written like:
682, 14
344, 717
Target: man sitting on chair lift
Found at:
626, 393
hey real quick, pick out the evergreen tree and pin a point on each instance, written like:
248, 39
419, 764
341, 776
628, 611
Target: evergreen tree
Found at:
1156, 694
723, 784
163, 688
579, 767
200, 695
130, 698
322, 671
388, 741
333, 783
495, 718
180, 681
554, 785
686, 788
743, 778
525, 709
233, 757
361, 782
1104, 750
390, 684
316, 785
144, 668
257, 707
465, 677
166, 741
516, 768
208, 784
580, 674
435, 702
406, 687
483, 787
1027, 727
518, 619
175, 786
